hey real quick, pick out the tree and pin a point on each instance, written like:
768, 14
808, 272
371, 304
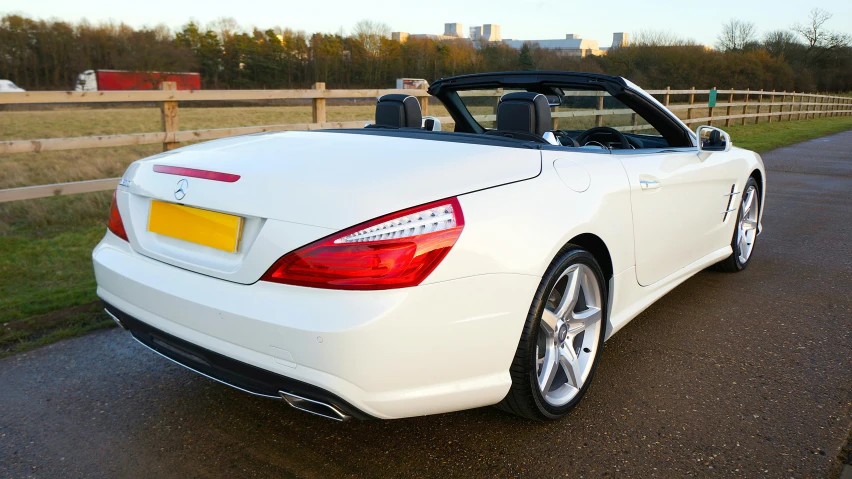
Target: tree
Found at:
370, 34
736, 35
780, 42
525, 59
207, 49
813, 32
659, 38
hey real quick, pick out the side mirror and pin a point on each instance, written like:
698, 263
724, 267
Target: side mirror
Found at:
712, 139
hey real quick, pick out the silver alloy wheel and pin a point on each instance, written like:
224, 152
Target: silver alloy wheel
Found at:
747, 229
568, 336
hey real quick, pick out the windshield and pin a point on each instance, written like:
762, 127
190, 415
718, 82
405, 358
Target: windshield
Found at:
560, 108
571, 110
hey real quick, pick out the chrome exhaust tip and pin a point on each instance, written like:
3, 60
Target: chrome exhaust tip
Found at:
114, 318
314, 407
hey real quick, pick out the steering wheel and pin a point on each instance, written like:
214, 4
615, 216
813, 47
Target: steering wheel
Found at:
584, 137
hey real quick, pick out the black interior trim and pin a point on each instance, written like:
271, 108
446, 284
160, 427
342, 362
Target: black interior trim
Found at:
452, 137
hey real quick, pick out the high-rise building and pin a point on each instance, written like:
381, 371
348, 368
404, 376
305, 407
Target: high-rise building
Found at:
475, 33
453, 30
620, 39
491, 32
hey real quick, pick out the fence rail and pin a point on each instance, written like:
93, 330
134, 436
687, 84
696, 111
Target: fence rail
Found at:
792, 106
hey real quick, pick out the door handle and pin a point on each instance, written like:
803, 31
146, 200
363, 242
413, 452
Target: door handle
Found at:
649, 184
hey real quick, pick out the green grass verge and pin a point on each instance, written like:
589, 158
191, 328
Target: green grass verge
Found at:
47, 286
768, 136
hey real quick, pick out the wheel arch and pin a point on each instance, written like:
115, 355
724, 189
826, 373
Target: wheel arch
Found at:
758, 177
597, 248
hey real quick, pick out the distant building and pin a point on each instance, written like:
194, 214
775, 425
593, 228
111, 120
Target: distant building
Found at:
620, 39
491, 33
573, 45
453, 30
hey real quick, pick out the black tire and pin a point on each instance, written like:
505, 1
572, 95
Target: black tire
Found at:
732, 263
524, 398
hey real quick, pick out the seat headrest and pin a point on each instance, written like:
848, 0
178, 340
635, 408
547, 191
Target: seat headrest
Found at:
523, 111
398, 110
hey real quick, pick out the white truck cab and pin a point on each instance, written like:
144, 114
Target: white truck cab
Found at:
6, 86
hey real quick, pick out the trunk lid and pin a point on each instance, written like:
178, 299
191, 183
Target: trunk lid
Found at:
296, 187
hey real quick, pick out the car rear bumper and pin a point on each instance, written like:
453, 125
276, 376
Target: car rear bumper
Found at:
231, 372
387, 354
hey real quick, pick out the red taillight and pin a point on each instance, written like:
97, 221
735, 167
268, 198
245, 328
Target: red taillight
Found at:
395, 251
115, 223
193, 173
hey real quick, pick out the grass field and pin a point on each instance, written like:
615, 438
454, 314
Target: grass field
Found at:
46, 281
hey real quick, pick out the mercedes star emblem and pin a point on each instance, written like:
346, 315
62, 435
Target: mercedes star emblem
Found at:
180, 191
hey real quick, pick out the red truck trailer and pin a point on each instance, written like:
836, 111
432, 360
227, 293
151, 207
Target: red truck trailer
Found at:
106, 80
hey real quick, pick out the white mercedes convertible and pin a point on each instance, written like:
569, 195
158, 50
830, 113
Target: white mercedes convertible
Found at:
399, 270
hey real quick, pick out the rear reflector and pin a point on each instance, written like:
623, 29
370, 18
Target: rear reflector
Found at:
395, 251
193, 173
116, 225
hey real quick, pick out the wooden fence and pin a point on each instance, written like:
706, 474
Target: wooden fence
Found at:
732, 106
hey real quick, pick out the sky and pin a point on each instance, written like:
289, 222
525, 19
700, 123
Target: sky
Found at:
525, 20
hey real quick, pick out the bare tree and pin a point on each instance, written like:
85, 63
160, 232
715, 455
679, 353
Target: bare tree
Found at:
819, 39
659, 38
224, 27
736, 35
779, 42
370, 34
813, 32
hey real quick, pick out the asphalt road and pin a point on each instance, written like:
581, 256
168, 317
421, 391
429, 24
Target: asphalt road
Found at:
729, 375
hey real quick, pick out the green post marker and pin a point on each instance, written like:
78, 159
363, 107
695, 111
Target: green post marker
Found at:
712, 101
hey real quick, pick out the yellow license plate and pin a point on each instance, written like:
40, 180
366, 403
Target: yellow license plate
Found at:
208, 228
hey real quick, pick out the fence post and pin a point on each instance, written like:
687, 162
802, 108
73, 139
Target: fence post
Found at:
169, 116
555, 120
759, 104
745, 107
424, 104
666, 98
799, 107
691, 102
634, 122
497, 99
318, 105
792, 102
771, 104
599, 106
728, 110
807, 106
710, 123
